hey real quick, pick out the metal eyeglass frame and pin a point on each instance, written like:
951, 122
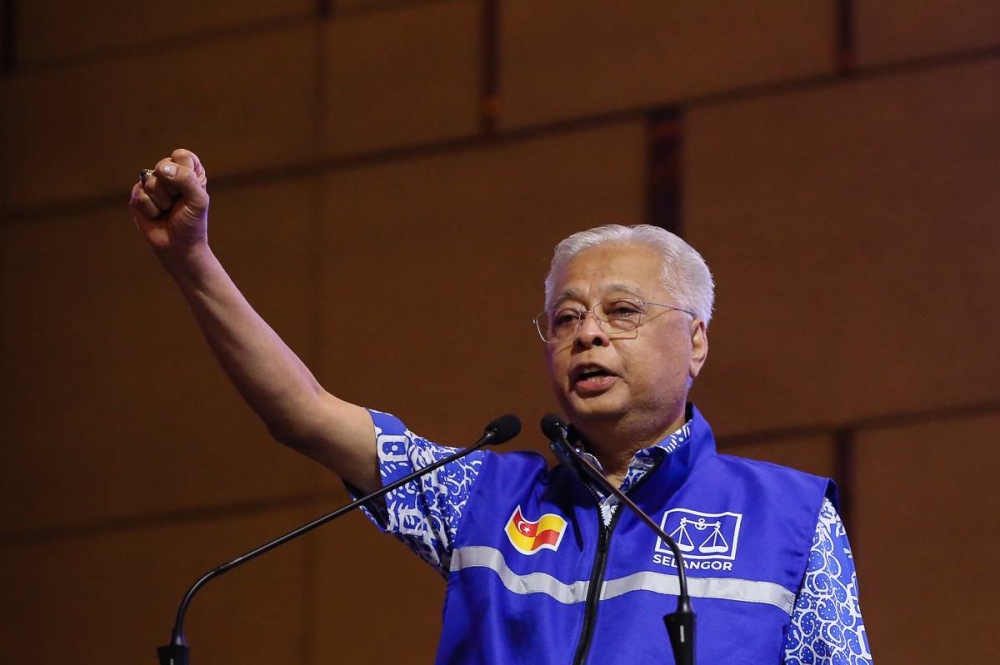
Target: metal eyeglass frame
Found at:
601, 321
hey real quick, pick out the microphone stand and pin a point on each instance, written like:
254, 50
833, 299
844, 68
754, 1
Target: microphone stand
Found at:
680, 624
177, 651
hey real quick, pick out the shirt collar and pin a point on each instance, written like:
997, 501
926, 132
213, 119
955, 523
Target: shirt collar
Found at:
646, 459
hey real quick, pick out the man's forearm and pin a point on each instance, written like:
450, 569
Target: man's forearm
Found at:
268, 374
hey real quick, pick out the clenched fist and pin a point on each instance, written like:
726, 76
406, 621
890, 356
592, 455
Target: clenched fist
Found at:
170, 206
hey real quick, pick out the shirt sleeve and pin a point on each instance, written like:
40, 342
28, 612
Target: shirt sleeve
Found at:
826, 626
424, 514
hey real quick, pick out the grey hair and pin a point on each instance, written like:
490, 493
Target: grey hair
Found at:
685, 273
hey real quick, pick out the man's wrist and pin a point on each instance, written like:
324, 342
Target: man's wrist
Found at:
189, 265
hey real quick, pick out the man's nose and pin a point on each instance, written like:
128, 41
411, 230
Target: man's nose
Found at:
591, 333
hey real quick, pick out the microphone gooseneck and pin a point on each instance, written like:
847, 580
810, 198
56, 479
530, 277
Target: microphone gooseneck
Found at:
681, 623
177, 652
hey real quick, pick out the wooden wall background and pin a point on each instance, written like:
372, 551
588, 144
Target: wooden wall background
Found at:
388, 181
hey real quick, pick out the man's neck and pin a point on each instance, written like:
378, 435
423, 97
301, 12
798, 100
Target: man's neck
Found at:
615, 442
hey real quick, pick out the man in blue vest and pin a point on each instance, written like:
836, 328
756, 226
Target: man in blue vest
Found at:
541, 566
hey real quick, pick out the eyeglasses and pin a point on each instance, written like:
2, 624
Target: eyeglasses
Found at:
615, 317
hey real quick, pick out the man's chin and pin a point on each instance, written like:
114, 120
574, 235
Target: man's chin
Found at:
599, 408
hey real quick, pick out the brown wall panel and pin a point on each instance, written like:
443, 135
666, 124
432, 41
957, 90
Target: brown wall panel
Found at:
113, 596
433, 271
391, 613
243, 101
923, 536
852, 233
904, 29
348, 7
400, 77
562, 59
50, 29
812, 454
113, 405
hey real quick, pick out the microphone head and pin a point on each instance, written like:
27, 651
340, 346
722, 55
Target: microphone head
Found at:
553, 427
503, 429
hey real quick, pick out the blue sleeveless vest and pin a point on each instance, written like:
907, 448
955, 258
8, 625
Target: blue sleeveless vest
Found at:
536, 578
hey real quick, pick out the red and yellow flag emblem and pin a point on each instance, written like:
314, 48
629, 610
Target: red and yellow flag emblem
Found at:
530, 537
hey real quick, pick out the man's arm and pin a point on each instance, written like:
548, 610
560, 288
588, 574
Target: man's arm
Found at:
171, 211
826, 625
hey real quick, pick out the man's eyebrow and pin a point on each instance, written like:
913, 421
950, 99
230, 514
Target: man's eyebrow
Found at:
568, 294
574, 294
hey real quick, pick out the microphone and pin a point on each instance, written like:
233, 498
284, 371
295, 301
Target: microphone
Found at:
680, 624
502, 430
177, 652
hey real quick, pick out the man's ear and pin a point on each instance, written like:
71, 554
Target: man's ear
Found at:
699, 347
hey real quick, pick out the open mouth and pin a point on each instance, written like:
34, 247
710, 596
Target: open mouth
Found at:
591, 373
591, 377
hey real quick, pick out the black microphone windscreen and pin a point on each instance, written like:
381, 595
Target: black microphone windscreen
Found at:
504, 428
553, 427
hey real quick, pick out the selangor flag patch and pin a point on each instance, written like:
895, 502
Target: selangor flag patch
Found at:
530, 537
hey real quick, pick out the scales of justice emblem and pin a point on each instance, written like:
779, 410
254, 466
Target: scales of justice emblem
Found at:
702, 535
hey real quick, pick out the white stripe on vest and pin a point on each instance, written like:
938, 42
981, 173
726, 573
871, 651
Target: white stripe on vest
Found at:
748, 591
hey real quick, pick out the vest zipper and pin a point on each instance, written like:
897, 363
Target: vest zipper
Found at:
594, 590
